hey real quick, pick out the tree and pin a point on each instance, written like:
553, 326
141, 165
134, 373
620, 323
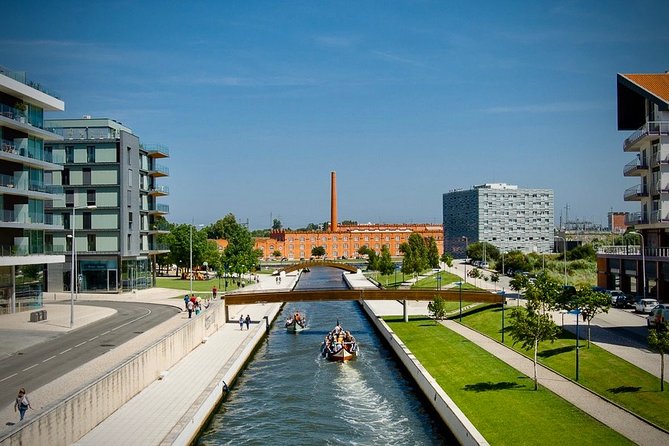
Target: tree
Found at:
519, 283
586, 252
437, 308
349, 223
529, 326
516, 261
494, 278
276, 224
276, 253
386, 265
239, 255
476, 250
179, 243
415, 254
658, 341
432, 253
318, 251
363, 250
590, 303
447, 258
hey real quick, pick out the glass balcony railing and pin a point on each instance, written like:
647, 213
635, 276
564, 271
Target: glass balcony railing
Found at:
633, 250
634, 166
635, 218
159, 209
18, 115
158, 247
156, 150
159, 170
11, 182
20, 76
9, 216
635, 192
159, 190
649, 128
12, 250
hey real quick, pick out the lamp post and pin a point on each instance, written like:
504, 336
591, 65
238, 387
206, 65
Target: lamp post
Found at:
503, 293
460, 284
643, 260
466, 246
564, 249
73, 272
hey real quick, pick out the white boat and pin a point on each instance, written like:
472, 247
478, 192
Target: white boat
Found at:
339, 345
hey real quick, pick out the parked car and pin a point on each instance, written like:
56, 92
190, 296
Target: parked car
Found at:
645, 305
484, 265
625, 301
614, 295
658, 315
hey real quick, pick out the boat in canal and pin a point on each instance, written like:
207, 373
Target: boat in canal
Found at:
339, 345
296, 322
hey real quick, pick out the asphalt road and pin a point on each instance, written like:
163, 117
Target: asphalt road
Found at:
42, 363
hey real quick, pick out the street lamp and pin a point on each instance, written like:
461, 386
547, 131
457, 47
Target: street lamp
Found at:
460, 284
564, 248
73, 272
466, 246
643, 260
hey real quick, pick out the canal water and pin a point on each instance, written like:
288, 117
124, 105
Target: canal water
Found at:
289, 394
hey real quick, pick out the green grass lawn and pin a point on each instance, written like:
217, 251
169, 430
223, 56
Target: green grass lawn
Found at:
494, 396
446, 279
176, 283
599, 370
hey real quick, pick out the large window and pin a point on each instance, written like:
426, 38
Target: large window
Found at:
69, 154
90, 197
86, 171
87, 220
69, 198
91, 242
90, 154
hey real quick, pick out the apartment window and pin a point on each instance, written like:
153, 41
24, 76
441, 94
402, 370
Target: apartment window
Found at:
129, 159
91, 242
90, 154
90, 197
69, 154
66, 220
87, 220
69, 198
68, 244
86, 171
129, 177
130, 221
65, 177
129, 242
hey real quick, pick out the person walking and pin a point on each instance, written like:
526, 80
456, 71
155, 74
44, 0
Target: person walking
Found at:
186, 299
241, 322
190, 306
247, 321
214, 291
22, 404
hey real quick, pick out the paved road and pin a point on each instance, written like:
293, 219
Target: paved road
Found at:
40, 364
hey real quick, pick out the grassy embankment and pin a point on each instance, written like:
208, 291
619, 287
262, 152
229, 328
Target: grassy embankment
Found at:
493, 395
200, 287
599, 370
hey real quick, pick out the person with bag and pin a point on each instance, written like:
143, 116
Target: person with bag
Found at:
22, 403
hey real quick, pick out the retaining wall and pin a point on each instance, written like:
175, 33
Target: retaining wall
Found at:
463, 430
71, 419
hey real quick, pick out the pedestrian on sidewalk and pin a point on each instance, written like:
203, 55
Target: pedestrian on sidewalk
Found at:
190, 306
186, 299
22, 403
248, 321
241, 322
213, 292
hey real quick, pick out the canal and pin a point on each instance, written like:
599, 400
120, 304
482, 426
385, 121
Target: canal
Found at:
289, 394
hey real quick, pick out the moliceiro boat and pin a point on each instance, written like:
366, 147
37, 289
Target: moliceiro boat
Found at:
296, 322
339, 345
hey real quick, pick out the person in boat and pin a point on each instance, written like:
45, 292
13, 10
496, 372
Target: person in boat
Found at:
289, 321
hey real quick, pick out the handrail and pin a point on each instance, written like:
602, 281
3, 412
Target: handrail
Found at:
649, 128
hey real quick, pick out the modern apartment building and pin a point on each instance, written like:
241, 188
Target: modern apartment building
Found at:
500, 214
110, 183
25, 188
643, 108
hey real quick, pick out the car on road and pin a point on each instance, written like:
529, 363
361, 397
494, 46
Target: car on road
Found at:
658, 315
624, 301
645, 305
614, 295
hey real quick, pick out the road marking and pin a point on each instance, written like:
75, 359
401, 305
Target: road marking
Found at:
49, 359
80, 344
26, 369
102, 334
10, 376
65, 351
94, 337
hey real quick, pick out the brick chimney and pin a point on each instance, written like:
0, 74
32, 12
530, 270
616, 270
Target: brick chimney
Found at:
333, 201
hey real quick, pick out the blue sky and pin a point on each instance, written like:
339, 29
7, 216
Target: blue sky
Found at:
258, 101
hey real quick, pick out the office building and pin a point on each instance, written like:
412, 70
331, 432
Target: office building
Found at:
25, 187
110, 183
501, 214
643, 109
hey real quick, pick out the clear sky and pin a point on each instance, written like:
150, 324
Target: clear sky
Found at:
259, 100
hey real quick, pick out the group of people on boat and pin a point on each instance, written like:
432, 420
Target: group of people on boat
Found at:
296, 319
339, 339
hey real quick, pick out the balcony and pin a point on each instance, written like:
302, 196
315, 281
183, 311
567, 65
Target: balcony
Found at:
158, 248
159, 209
156, 150
659, 217
635, 218
27, 218
20, 186
635, 193
11, 151
158, 171
159, 191
635, 168
20, 76
647, 131
633, 251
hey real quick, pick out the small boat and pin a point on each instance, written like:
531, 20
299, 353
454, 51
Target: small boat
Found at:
306, 270
296, 322
339, 345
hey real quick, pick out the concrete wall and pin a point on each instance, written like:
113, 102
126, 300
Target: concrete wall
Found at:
71, 419
463, 430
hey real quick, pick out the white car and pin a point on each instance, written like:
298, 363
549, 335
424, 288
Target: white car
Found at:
645, 305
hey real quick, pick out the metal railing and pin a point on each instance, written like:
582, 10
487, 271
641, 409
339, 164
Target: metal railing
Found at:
9, 216
155, 148
160, 190
633, 250
157, 168
649, 128
18, 115
20, 76
635, 218
635, 191
20, 251
634, 165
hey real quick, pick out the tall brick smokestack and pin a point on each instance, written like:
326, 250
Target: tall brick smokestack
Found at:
333, 201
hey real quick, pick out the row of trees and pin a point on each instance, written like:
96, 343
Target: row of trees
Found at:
238, 257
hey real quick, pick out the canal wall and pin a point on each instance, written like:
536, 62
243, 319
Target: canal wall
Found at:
463, 430
69, 420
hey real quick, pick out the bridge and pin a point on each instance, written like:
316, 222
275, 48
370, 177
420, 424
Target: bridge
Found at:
451, 295
318, 263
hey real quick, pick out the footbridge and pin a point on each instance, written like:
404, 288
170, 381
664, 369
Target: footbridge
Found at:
319, 263
374, 294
